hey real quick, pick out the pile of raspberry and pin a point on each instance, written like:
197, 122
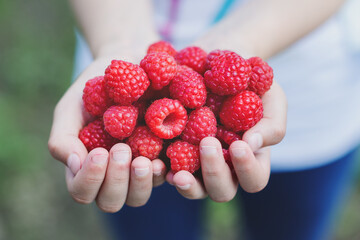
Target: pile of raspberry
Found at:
163, 107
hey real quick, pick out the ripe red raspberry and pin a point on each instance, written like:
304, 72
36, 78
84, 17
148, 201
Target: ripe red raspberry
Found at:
201, 123
226, 137
125, 82
141, 107
227, 158
95, 98
212, 55
160, 68
193, 57
242, 111
94, 135
162, 46
166, 118
120, 121
189, 88
229, 74
183, 156
144, 143
214, 102
261, 76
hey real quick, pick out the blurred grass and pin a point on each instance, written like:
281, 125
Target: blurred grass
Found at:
36, 59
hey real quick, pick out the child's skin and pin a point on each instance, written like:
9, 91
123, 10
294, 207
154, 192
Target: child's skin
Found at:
120, 29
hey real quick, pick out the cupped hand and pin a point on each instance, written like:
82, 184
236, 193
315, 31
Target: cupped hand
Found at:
250, 156
108, 177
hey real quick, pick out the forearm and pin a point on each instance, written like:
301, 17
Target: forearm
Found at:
115, 26
265, 27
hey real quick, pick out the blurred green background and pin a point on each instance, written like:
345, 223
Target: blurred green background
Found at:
36, 59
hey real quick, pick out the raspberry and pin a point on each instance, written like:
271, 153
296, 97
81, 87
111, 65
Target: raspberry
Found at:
183, 156
141, 107
162, 46
94, 136
201, 123
189, 88
242, 111
261, 76
214, 102
227, 158
226, 137
120, 121
95, 98
166, 118
229, 74
144, 143
160, 68
125, 82
212, 55
193, 57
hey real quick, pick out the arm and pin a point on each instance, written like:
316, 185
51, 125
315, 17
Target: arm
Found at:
115, 26
264, 28
113, 29
258, 28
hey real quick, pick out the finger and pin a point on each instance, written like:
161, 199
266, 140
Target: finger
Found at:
114, 189
64, 144
85, 185
252, 171
271, 128
218, 179
159, 170
189, 186
140, 182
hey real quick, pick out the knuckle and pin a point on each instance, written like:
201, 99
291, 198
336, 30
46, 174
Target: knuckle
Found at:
54, 147
279, 133
256, 188
109, 208
136, 203
93, 179
226, 197
210, 172
79, 199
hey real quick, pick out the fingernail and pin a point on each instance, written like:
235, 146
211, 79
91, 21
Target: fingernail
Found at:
255, 141
238, 152
73, 163
184, 187
157, 173
208, 150
121, 156
99, 159
141, 172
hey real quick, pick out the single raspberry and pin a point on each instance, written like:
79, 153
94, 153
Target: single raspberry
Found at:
120, 121
242, 111
261, 76
166, 118
227, 158
160, 68
212, 55
226, 137
94, 135
193, 57
125, 82
144, 143
214, 102
95, 98
183, 156
141, 106
189, 88
229, 74
152, 94
201, 123
162, 46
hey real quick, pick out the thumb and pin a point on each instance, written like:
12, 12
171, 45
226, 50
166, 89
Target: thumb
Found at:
69, 150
